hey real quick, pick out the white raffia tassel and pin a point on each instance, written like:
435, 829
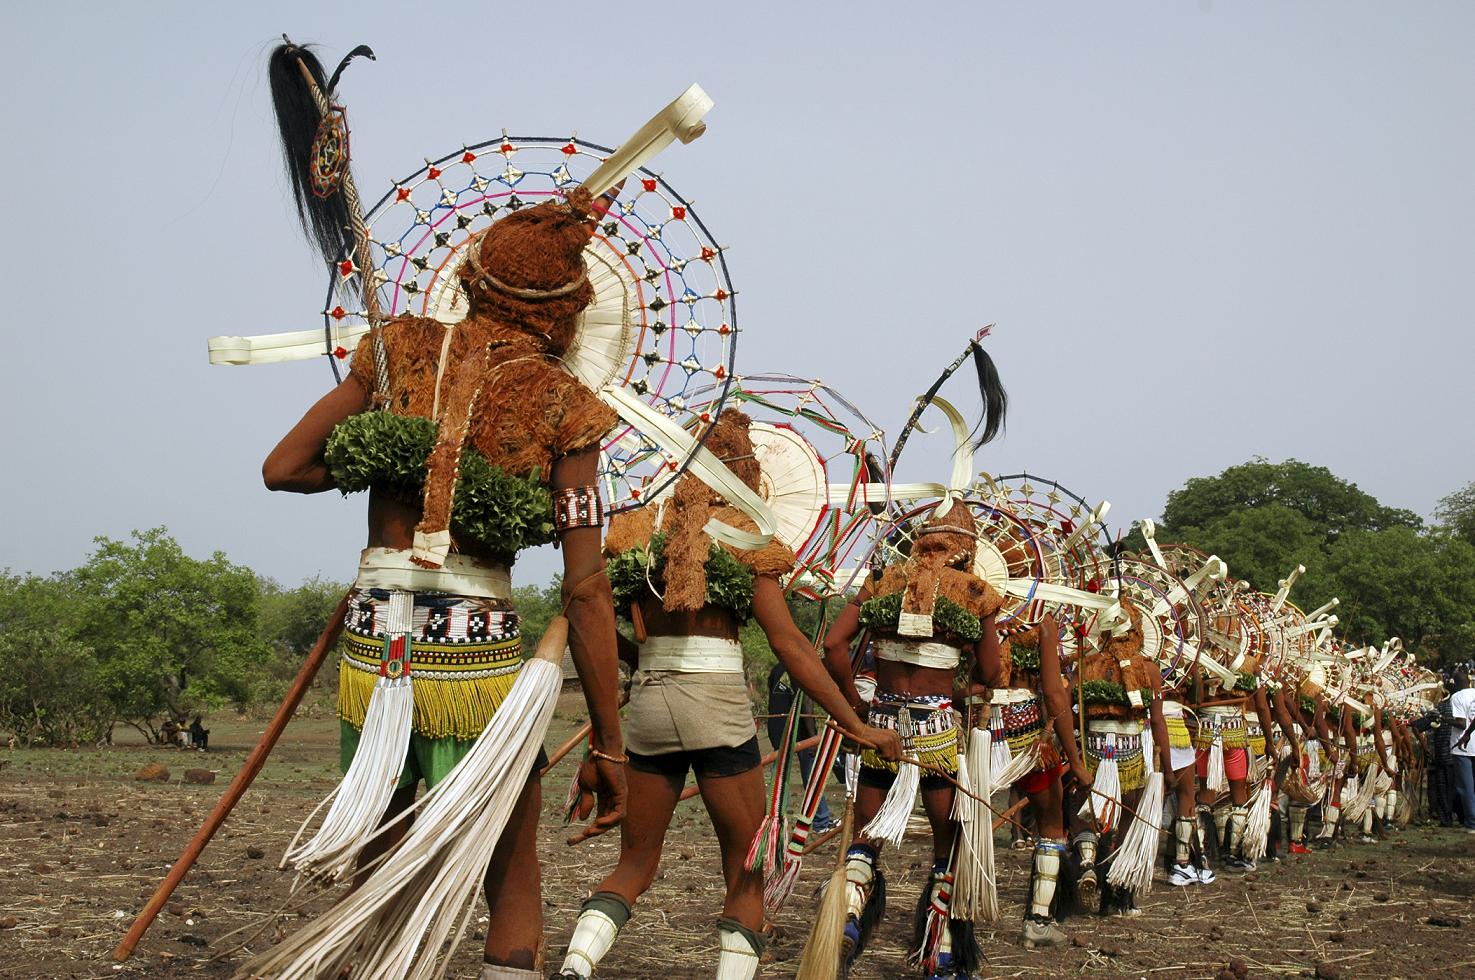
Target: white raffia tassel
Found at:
890, 822
1104, 802
975, 892
1132, 863
406, 920
1257, 825
1217, 781
361, 799
1015, 769
1002, 755
1352, 810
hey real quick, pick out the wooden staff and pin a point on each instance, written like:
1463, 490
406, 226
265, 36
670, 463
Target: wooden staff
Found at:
254, 763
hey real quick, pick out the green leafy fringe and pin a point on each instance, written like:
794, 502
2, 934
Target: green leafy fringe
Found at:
729, 581
1104, 692
1246, 682
884, 612
500, 512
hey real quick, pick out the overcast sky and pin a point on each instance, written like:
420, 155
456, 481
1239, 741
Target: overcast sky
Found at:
1207, 231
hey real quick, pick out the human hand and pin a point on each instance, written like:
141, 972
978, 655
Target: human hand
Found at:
601, 790
1081, 774
886, 742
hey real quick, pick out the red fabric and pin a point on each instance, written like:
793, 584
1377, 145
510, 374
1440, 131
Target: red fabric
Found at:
1236, 763
1036, 782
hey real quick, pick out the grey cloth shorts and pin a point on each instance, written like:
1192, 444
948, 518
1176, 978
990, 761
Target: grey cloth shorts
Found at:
676, 711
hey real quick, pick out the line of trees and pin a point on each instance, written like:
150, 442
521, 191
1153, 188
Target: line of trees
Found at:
1394, 574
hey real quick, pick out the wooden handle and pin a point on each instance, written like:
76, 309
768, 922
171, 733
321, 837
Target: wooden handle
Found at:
253, 765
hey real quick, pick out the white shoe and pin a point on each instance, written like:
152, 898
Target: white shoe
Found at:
1183, 874
1206, 876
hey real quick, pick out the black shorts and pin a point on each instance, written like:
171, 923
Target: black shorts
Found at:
883, 778
724, 760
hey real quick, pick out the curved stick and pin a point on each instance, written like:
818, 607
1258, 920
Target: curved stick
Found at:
253, 765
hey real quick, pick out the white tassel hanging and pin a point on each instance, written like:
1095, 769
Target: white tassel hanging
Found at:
1257, 825
407, 919
1104, 801
1002, 755
890, 822
1353, 810
1016, 769
1218, 781
1132, 863
975, 888
360, 800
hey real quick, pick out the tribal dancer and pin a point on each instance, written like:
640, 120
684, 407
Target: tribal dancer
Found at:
686, 597
1188, 863
1340, 739
1266, 772
924, 618
1124, 729
1031, 719
526, 475
1222, 744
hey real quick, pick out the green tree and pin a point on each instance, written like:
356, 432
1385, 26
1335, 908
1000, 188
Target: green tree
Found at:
1456, 512
289, 622
172, 634
51, 690
1397, 582
1328, 502
1262, 544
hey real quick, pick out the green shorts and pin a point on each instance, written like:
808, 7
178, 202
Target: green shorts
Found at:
426, 758
430, 759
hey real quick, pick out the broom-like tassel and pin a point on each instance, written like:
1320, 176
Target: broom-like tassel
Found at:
890, 821
975, 889
764, 852
1019, 766
1104, 800
1217, 781
407, 919
361, 799
1132, 862
821, 958
1257, 825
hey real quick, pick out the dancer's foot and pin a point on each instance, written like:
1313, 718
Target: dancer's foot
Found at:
1183, 874
1040, 932
1206, 876
1298, 848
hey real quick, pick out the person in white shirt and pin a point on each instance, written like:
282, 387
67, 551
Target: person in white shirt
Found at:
1462, 706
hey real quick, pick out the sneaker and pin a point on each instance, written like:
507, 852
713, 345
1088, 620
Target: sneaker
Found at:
1298, 848
1183, 874
1367, 839
1326, 843
1206, 876
1041, 932
824, 827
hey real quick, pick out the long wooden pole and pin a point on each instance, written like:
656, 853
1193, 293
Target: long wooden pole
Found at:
253, 765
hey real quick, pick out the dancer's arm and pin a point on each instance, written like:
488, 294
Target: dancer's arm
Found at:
1057, 701
1378, 744
1286, 722
837, 648
591, 619
796, 653
296, 464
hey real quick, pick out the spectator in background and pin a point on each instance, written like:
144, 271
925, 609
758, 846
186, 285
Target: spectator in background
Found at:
780, 699
169, 733
1437, 728
199, 734
1462, 754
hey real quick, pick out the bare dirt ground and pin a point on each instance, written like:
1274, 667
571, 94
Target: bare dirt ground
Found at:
82, 846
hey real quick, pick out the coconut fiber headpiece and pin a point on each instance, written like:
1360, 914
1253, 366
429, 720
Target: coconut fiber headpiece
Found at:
690, 506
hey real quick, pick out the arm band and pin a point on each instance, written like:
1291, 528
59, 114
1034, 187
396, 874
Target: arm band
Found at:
577, 507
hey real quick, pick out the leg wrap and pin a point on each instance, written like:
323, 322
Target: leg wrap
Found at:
1049, 855
741, 949
1183, 839
496, 971
1298, 824
1221, 825
600, 921
1329, 822
1238, 817
1085, 844
865, 894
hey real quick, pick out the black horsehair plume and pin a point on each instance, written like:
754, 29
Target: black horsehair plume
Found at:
995, 399
325, 220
